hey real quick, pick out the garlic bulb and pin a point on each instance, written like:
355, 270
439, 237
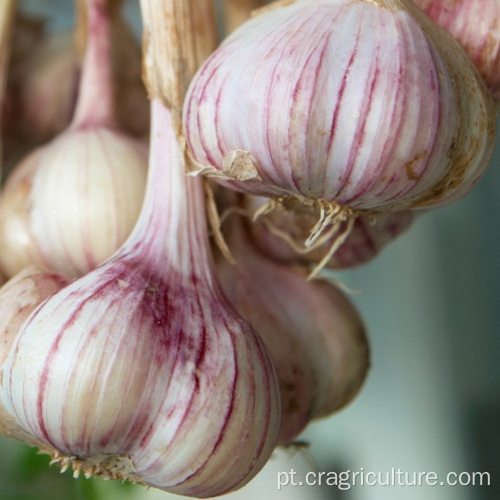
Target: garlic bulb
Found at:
316, 338
281, 235
475, 24
140, 369
18, 298
71, 203
341, 107
49, 74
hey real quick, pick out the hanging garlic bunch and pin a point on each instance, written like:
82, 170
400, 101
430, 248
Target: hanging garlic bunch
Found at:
314, 334
181, 393
341, 108
69, 204
476, 25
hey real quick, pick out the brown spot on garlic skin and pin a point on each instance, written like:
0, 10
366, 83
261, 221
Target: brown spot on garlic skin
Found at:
410, 166
472, 144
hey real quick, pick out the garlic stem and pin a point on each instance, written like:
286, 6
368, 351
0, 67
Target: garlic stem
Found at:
176, 41
7, 12
178, 36
81, 25
172, 225
95, 98
237, 12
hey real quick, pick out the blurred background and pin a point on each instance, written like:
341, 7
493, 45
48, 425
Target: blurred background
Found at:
431, 402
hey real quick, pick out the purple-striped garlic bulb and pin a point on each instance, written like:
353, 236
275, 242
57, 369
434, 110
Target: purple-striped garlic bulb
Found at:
314, 334
72, 202
341, 107
141, 370
281, 234
476, 25
18, 299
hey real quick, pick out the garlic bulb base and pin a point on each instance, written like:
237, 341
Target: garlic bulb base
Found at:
104, 466
335, 223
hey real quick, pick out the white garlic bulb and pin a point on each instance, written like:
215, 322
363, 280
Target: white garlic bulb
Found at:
342, 106
71, 203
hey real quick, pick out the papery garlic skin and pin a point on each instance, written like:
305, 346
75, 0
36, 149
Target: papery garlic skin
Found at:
366, 105
160, 398
100, 176
140, 369
315, 335
18, 298
476, 25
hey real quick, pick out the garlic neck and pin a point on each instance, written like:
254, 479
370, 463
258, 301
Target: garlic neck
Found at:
171, 230
95, 95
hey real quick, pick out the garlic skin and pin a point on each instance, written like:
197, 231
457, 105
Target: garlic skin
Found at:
280, 234
304, 102
72, 202
18, 298
316, 337
476, 25
140, 369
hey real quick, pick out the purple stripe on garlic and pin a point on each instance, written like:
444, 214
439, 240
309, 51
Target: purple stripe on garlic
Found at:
363, 105
140, 369
475, 24
18, 299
